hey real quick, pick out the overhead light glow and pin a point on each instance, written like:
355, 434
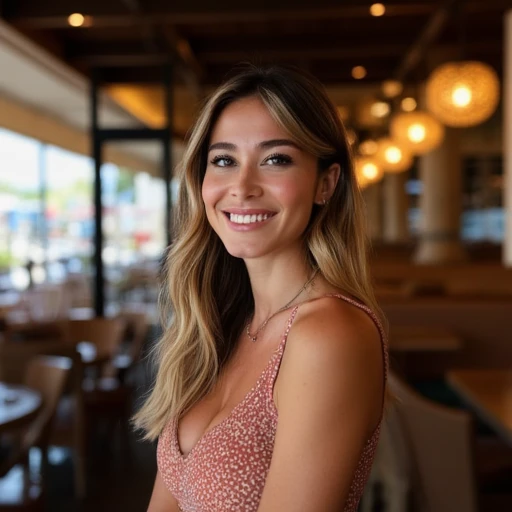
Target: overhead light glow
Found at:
76, 19
368, 147
393, 155
370, 170
462, 93
417, 132
461, 96
408, 104
358, 72
380, 109
392, 88
377, 9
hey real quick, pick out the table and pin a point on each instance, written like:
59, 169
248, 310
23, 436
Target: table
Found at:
423, 339
18, 405
489, 394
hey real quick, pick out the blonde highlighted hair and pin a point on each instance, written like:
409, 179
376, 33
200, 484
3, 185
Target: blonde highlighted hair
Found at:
206, 297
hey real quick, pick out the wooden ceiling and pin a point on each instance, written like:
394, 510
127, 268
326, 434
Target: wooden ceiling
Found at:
130, 40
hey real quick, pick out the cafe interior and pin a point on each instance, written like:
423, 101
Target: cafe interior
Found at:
96, 102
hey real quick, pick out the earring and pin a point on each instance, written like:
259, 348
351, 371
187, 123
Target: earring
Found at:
325, 201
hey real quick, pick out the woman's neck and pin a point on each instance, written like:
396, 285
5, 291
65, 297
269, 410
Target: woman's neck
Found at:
275, 282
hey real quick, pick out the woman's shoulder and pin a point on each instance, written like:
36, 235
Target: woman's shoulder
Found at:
334, 329
337, 316
335, 350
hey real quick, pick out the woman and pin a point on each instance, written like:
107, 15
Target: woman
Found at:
269, 253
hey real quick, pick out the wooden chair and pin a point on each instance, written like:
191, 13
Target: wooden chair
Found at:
104, 333
75, 419
22, 487
136, 333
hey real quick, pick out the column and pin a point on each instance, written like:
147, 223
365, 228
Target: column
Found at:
507, 139
396, 205
441, 204
373, 198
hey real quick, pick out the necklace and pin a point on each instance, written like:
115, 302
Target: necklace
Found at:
254, 337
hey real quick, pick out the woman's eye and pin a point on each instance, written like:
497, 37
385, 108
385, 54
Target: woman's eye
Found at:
222, 161
278, 159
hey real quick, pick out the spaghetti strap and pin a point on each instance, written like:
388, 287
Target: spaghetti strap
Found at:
376, 321
280, 350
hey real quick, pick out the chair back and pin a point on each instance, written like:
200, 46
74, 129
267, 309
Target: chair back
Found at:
48, 375
137, 327
105, 333
440, 440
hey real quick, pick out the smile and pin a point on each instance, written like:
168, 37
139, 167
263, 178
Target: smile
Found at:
241, 220
248, 219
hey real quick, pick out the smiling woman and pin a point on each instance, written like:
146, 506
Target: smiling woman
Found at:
268, 236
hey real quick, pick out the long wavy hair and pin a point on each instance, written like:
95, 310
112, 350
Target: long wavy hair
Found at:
206, 297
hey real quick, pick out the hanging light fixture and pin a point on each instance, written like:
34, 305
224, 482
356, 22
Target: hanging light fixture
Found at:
418, 131
392, 88
393, 156
368, 147
463, 93
367, 170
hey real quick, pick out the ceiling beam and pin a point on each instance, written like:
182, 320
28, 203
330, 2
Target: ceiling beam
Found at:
53, 15
57, 16
188, 66
430, 33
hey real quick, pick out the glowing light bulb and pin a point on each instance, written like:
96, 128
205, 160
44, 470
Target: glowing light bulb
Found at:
461, 96
368, 147
408, 104
370, 171
416, 132
358, 72
392, 88
377, 9
393, 155
76, 19
380, 109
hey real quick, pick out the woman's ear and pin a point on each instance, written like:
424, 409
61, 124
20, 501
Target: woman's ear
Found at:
327, 183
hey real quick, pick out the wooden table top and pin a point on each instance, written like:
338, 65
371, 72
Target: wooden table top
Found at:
489, 394
18, 404
423, 339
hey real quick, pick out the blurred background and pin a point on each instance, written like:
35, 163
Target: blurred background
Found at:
96, 101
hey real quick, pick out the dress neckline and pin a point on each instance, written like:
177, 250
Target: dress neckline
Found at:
247, 396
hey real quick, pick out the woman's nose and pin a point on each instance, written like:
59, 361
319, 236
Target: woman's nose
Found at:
246, 183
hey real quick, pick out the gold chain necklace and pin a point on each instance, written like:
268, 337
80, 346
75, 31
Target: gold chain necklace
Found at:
254, 337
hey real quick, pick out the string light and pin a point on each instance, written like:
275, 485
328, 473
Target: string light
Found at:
377, 9
392, 88
408, 104
393, 156
359, 72
76, 19
418, 131
367, 171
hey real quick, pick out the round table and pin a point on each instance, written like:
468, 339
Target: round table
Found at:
18, 405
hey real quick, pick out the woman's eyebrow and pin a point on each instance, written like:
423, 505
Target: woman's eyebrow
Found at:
227, 146
266, 144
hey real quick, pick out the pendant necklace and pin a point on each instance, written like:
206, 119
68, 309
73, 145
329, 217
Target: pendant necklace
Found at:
254, 337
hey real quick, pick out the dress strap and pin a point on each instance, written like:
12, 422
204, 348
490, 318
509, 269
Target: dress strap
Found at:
376, 321
280, 350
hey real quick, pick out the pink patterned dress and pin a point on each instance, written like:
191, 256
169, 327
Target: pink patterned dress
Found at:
227, 468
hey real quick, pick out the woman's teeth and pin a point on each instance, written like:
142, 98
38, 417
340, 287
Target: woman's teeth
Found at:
247, 219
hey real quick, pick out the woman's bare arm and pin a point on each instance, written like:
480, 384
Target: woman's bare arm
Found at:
329, 401
161, 499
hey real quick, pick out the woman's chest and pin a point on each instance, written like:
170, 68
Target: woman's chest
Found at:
241, 383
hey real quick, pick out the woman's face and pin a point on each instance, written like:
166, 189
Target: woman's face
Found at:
259, 187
